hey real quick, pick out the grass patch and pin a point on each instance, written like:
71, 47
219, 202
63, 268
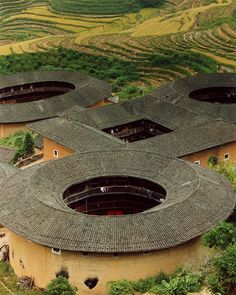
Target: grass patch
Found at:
9, 279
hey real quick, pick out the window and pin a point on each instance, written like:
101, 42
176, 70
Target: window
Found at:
55, 153
56, 251
197, 162
226, 156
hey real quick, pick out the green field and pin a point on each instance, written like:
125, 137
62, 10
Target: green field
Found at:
161, 43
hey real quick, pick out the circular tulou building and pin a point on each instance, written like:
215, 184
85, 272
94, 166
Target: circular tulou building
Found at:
211, 95
32, 96
110, 215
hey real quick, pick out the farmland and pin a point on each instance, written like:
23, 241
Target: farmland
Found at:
164, 42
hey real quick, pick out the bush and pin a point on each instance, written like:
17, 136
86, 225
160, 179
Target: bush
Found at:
180, 283
145, 285
221, 236
131, 91
162, 277
213, 160
223, 276
214, 284
122, 287
60, 286
228, 170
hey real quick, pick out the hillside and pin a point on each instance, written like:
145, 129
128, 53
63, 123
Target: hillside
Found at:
93, 7
177, 39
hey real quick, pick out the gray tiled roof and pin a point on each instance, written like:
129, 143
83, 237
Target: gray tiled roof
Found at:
88, 91
178, 94
80, 129
191, 132
6, 170
190, 140
6, 154
76, 136
196, 200
149, 107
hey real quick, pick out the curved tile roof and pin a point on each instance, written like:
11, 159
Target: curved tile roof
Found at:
178, 94
6, 170
196, 200
88, 91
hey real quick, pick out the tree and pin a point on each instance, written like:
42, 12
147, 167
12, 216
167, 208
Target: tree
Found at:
60, 286
28, 144
25, 146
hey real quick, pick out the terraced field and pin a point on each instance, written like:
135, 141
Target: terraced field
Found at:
149, 38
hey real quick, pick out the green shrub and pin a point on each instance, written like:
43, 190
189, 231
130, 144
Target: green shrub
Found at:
179, 283
223, 276
213, 160
214, 284
60, 286
144, 285
131, 91
162, 277
227, 170
221, 236
122, 287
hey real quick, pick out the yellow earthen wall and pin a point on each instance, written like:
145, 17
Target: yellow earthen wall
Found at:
30, 259
11, 128
99, 104
49, 146
219, 151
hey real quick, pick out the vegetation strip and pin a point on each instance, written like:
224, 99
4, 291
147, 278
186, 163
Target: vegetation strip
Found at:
5, 287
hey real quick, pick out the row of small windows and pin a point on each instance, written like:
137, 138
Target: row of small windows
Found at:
198, 162
58, 252
226, 157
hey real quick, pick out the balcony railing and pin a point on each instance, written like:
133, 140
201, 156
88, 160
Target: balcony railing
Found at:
116, 190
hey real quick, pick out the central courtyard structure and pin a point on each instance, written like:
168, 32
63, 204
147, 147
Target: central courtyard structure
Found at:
114, 195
